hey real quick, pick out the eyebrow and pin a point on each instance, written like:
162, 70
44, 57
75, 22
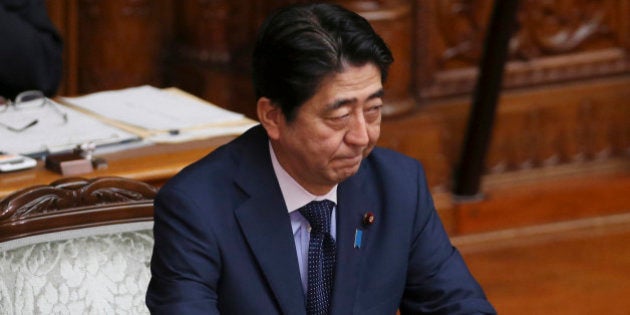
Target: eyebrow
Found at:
344, 101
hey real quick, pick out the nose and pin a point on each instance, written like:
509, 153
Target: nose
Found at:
357, 133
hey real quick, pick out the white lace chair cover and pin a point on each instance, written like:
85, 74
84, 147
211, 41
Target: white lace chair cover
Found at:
76, 246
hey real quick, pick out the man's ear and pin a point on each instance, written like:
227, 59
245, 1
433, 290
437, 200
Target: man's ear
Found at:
270, 117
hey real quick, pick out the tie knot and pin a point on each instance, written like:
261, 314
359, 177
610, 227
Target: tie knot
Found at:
318, 214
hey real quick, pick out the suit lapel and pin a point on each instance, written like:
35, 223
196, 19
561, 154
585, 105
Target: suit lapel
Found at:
353, 202
266, 225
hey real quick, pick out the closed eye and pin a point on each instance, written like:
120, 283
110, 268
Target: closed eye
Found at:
373, 113
340, 113
340, 117
375, 108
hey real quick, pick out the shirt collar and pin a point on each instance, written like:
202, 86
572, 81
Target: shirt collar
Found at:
295, 196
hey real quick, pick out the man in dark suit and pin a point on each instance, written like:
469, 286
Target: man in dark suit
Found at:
302, 214
30, 49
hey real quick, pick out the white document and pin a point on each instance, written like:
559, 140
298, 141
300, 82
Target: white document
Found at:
204, 133
50, 134
154, 110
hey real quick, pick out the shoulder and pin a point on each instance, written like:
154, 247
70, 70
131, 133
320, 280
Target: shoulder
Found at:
397, 177
393, 164
214, 171
386, 155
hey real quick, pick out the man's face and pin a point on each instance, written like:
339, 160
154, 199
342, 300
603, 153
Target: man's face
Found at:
333, 130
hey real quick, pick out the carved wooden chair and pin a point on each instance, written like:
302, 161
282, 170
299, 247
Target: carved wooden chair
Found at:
76, 246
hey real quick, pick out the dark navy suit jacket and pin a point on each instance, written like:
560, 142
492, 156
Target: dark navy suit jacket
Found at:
224, 243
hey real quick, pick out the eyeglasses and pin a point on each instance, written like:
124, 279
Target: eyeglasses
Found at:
28, 101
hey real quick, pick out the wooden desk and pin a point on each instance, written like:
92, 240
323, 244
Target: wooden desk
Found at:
152, 164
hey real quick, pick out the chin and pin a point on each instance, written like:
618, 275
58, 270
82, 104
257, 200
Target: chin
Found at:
347, 172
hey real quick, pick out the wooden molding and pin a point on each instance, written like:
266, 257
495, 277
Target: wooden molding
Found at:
72, 203
555, 42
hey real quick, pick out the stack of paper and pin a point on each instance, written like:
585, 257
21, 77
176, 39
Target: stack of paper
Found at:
51, 134
161, 115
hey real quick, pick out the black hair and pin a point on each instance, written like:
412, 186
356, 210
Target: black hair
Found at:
300, 45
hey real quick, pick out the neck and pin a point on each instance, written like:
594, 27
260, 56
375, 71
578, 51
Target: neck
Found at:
314, 189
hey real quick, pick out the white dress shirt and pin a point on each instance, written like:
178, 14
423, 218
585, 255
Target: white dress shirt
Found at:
295, 197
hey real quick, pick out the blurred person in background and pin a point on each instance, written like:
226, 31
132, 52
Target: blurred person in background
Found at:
30, 49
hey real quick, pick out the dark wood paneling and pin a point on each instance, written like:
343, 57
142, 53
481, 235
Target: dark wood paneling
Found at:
566, 83
556, 41
112, 44
64, 16
121, 43
393, 20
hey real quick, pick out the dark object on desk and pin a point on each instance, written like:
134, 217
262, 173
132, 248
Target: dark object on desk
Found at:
99, 163
80, 161
68, 164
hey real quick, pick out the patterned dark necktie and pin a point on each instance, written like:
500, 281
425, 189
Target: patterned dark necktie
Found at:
321, 257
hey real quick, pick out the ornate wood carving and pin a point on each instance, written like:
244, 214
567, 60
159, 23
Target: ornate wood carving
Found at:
204, 47
69, 193
556, 41
75, 202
